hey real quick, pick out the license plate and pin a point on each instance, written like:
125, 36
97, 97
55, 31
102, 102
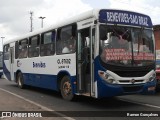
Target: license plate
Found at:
151, 88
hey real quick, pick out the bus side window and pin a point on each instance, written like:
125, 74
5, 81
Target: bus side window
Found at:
23, 48
58, 42
6, 52
47, 43
66, 39
34, 46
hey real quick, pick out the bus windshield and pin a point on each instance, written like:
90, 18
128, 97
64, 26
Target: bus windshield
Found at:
126, 46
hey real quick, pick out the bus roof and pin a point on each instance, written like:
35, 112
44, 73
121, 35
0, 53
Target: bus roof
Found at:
97, 13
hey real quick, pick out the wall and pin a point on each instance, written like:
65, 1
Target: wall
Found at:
157, 38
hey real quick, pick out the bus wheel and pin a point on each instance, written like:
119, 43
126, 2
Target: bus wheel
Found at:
66, 88
20, 81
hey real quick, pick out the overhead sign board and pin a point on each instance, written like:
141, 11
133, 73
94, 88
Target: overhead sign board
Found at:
124, 17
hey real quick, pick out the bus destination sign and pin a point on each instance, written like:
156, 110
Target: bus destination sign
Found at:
124, 18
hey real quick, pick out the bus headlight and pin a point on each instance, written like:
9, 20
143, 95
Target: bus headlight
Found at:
151, 78
105, 76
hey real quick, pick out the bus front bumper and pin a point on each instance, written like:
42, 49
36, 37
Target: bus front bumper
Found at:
111, 90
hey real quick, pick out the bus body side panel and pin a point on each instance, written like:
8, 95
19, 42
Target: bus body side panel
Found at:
104, 89
41, 80
43, 71
45, 81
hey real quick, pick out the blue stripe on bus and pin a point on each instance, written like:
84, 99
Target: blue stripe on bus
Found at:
45, 81
6, 72
158, 62
40, 80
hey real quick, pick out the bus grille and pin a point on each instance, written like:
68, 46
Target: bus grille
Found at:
131, 73
129, 81
132, 88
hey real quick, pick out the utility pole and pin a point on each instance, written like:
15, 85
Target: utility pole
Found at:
31, 18
42, 20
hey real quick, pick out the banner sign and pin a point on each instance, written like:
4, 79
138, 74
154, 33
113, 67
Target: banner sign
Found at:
121, 54
125, 18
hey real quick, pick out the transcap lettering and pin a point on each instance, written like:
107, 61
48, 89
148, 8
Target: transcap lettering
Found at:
127, 18
143, 21
134, 19
117, 17
39, 65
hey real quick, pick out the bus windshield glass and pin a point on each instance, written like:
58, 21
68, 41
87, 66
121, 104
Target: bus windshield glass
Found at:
126, 46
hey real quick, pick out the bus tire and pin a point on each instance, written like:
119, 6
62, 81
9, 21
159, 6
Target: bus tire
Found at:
66, 88
20, 81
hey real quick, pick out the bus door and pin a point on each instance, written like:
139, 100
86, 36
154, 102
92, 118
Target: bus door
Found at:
12, 62
92, 49
85, 60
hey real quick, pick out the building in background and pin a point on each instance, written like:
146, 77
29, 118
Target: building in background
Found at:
157, 40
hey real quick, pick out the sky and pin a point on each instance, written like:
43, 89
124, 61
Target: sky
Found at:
15, 17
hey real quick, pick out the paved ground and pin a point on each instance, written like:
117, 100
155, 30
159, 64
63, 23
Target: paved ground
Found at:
35, 99
9, 102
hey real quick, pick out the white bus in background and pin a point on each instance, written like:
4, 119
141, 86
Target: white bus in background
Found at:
100, 53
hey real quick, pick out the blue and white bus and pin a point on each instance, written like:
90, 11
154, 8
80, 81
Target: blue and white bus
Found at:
100, 53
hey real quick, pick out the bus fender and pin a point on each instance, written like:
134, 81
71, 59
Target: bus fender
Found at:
60, 75
18, 71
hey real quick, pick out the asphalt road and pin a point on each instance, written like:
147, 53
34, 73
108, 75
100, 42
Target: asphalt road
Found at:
117, 108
